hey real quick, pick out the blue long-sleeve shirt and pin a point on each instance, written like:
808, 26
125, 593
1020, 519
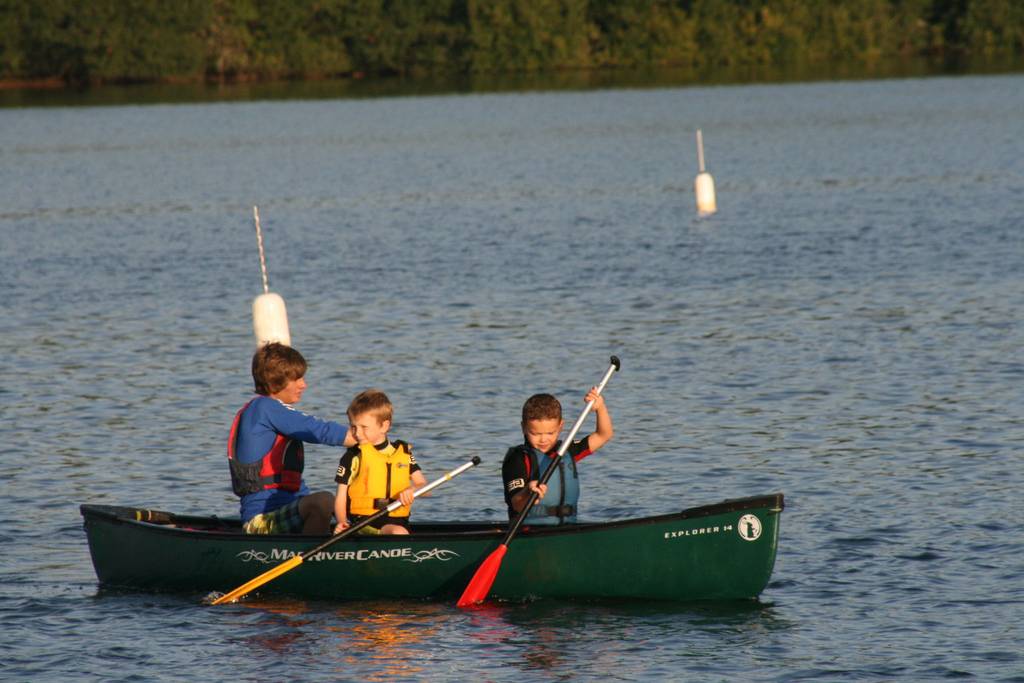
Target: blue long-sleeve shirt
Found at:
261, 422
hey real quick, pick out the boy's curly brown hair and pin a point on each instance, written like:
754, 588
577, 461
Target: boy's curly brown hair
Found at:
542, 407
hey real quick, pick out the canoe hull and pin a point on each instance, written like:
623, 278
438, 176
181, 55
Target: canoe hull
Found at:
716, 552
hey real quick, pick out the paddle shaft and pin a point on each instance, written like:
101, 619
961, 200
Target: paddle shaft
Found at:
293, 562
514, 529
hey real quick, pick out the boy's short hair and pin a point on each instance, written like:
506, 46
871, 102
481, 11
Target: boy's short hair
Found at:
372, 401
274, 365
542, 407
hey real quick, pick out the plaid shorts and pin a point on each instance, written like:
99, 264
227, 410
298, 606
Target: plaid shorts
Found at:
284, 520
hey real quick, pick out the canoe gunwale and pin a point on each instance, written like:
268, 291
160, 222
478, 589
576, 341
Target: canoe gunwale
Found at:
189, 525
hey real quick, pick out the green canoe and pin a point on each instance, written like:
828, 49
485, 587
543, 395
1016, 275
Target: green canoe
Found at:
714, 552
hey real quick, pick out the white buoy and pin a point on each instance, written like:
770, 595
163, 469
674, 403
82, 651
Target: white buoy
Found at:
704, 184
269, 317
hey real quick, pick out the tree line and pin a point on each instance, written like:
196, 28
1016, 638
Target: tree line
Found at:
123, 41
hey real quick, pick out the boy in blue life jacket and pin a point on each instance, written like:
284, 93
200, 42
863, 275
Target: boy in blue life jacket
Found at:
265, 452
376, 471
525, 464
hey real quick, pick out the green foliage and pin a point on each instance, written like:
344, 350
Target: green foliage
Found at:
402, 36
993, 28
227, 39
190, 40
128, 40
634, 33
526, 35
12, 50
284, 39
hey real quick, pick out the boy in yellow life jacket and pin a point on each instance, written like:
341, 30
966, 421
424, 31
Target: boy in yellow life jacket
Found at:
377, 470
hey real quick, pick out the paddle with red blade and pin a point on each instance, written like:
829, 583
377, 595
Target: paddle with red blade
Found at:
480, 585
295, 561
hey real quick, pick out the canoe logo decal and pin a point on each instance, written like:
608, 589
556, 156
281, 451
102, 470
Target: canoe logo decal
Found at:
277, 555
749, 527
251, 555
442, 554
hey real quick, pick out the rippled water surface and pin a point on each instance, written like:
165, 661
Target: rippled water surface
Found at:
846, 330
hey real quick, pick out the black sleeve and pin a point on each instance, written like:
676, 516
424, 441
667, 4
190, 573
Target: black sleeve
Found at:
347, 465
514, 473
579, 449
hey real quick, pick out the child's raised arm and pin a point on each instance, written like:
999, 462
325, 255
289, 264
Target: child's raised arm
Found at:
604, 430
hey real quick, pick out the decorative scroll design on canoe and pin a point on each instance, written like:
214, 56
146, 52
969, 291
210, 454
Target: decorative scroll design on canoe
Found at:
442, 554
250, 555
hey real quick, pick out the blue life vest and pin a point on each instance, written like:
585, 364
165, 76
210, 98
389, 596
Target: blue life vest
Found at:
559, 505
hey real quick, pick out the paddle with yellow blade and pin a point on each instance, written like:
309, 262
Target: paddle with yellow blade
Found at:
480, 585
299, 559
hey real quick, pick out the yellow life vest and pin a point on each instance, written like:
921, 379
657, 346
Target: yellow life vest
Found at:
377, 477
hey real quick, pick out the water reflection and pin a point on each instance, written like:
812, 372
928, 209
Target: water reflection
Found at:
382, 641
582, 79
550, 635
391, 640
386, 640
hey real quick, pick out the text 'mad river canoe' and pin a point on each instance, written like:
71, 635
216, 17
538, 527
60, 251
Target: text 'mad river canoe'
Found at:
723, 551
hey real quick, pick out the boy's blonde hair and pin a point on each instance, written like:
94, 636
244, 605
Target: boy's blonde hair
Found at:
541, 407
274, 365
373, 401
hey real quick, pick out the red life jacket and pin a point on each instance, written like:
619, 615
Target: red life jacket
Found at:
280, 468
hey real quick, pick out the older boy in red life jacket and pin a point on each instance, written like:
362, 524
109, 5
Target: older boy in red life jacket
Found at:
265, 452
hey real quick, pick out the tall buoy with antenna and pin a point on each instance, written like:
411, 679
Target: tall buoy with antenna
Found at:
269, 317
704, 184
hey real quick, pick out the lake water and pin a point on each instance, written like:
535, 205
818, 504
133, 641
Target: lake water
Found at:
846, 329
